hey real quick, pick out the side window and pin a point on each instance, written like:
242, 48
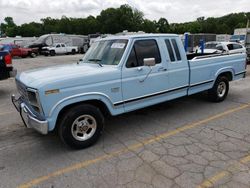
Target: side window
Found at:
63, 45
144, 49
170, 50
236, 46
176, 49
219, 47
58, 46
230, 47
132, 59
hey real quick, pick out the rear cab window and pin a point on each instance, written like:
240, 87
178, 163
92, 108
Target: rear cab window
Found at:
173, 50
146, 48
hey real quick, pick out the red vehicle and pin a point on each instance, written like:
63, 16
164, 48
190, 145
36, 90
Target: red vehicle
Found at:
6, 68
16, 50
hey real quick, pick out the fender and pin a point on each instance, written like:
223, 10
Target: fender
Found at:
223, 70
55, 110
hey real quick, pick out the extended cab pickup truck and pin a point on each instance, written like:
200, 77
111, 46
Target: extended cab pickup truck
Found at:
117, 75
6, 68
59, 48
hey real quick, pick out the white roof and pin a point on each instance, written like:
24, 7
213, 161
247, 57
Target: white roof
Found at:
225, 43
139, 36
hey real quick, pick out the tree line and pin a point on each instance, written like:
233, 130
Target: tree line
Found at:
114, 20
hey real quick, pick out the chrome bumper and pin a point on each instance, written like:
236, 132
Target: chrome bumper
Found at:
28, 116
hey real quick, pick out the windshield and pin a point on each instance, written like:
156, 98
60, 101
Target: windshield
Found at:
211, 45
106, 52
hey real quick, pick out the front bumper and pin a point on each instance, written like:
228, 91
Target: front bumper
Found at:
30, 119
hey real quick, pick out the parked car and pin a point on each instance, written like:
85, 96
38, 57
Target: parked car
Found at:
247, 45
59, 48
17, 51
223, 47
119, 74
6, 68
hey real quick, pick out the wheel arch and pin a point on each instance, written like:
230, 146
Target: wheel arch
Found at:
228, 72
97, 103
103, 103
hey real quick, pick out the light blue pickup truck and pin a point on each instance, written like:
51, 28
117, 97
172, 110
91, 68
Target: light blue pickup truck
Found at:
119, 74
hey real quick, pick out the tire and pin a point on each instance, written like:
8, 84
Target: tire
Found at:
220, 90
52, 53
73, 52
87, 133
32, 54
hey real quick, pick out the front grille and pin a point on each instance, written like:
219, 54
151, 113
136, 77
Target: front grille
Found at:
22, 89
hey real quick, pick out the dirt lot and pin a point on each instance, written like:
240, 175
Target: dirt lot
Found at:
189, 142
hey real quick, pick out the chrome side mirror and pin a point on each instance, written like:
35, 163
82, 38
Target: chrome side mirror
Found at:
149, 62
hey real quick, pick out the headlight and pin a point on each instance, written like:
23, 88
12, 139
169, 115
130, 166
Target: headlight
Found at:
33, 99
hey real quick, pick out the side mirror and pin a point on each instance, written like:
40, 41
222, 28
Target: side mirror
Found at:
149, 62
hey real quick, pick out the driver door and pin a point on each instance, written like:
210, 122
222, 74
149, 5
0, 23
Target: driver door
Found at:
141, 84
58, 49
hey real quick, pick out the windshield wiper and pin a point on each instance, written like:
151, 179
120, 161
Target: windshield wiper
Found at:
96, 61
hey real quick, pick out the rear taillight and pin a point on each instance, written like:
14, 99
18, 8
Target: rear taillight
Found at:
8, 60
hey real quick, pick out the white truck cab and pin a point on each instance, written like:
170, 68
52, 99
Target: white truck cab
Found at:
59, 48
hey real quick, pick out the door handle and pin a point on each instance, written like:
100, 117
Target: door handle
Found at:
162, 69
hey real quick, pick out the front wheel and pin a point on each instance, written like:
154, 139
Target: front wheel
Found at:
81, 126
32, 54
52, 53
220, 90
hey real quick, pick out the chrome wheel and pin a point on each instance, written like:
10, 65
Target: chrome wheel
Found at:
221, 89
83, 127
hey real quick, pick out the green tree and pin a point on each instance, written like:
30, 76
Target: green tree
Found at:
163, 26
149, 26
114, 20
8, 28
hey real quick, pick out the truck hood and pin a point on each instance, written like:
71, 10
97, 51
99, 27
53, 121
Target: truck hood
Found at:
66, 75
46, 47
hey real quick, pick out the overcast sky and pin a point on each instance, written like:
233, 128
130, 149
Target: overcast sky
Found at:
24, 11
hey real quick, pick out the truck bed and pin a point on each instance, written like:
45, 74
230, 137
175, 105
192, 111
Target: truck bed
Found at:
204, 69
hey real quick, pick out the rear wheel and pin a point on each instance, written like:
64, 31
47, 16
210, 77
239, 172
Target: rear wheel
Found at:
81, 126
220, 89
73, 52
